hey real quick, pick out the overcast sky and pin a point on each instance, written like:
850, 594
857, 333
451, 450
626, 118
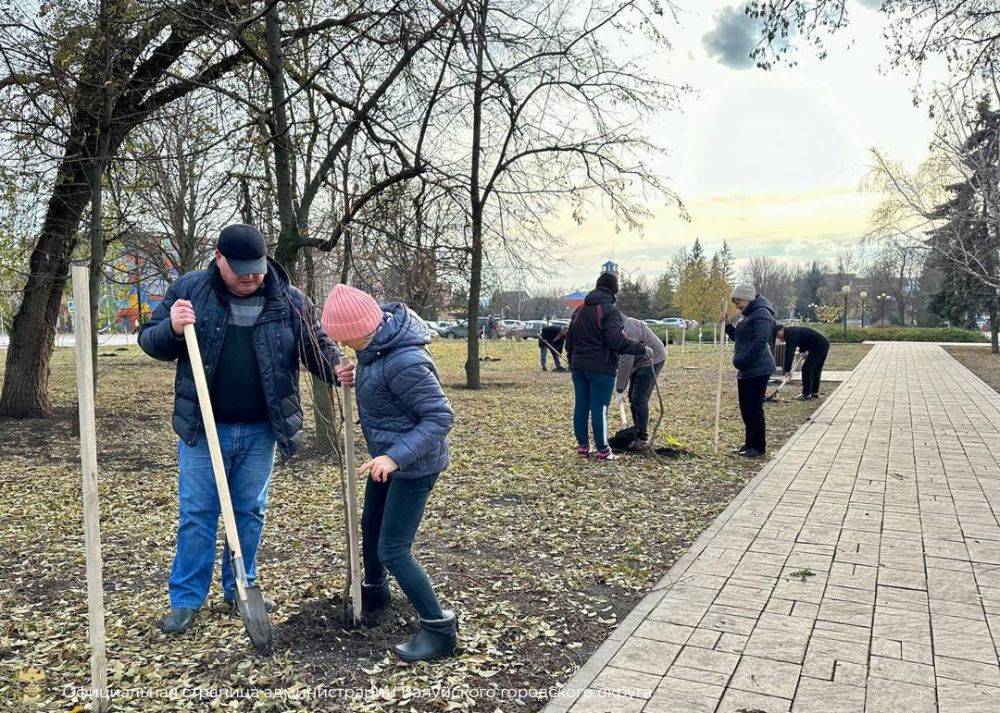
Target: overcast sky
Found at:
771, 161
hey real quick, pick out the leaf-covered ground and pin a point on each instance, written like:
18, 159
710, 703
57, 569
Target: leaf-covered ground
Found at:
540, 553
981, 362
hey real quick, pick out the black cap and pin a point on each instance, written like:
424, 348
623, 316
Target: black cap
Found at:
244, 249
609, 281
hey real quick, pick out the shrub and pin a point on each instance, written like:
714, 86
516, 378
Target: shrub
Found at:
835, 333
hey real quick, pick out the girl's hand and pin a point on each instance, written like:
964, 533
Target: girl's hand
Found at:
379, 468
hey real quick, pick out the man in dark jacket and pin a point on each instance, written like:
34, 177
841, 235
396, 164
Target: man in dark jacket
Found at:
551, 338
595, 338
253, 327
754, 360
815, 346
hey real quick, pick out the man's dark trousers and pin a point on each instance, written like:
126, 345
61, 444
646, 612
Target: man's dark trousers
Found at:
640, 388
812, 370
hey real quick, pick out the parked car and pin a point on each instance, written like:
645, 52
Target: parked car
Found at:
651, 322
511, 327
436, 328
459, 330
530, 329
560, 322
675, 322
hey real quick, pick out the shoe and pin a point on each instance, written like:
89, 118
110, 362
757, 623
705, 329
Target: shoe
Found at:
230, 603
435, 639
814, 396
605, 454
752, 453
803, 397
559, 370
739, 451
178, 620
583, 451
374, 600
544, 369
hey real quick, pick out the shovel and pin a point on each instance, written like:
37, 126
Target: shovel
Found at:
773, 396
249, 600
352, 593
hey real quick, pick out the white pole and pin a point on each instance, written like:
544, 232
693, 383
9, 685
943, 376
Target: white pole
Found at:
91, 507
718, 386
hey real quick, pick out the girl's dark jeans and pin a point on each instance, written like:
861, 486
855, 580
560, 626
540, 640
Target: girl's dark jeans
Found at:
389, 522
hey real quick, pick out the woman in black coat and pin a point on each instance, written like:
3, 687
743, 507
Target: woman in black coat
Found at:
754, 360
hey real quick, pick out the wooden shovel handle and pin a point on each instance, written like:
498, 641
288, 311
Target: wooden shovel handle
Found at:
215, 450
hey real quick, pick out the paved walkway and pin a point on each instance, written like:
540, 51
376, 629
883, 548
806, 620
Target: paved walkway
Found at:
859, 571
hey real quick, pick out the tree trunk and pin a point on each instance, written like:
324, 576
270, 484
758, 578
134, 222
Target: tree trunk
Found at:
472, 376
32, 334
994, 329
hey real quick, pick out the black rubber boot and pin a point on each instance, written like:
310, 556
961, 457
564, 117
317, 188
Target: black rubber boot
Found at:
435, 640
178, 620
374, 600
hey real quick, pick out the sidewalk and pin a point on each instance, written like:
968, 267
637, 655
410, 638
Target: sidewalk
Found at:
859, 571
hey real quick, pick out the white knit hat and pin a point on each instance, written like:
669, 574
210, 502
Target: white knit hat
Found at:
745, 292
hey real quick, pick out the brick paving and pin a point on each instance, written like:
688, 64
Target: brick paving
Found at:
858, 572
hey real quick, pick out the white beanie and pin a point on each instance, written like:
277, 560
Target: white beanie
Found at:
745, 292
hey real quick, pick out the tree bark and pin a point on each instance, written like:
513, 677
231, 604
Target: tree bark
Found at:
472, 374
32, 334
995, 329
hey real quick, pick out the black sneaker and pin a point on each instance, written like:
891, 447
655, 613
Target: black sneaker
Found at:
814, 396
803, 397
752, 453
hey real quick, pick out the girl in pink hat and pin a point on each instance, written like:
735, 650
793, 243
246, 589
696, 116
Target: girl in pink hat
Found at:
405, 418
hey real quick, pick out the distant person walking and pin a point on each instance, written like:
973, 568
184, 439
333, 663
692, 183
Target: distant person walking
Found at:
754, 360
595, 338
638, 374
552, 338
815, 346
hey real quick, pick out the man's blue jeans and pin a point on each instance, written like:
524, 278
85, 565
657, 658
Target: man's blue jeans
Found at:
248, 454
593, 395
545, 349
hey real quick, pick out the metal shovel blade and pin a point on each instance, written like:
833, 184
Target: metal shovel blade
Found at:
255, 621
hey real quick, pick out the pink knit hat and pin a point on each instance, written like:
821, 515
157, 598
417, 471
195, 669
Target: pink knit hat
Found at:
350, 314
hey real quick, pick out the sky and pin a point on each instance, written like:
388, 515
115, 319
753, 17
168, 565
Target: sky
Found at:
771, 161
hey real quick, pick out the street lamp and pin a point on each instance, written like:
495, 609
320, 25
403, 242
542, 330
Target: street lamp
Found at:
882, 298
862, 295
846, 289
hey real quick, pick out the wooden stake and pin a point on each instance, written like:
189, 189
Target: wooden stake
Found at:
91, 507
718, 386
351, 507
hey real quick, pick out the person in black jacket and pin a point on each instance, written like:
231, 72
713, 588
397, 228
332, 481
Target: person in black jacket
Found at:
754, 360
551, 339
253, 327
595, 338
815, 346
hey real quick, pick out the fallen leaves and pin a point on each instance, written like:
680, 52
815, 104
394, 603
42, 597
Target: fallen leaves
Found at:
540, 552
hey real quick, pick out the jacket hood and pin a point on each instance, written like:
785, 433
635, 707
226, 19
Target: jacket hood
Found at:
758, 304
402, 328
599, 296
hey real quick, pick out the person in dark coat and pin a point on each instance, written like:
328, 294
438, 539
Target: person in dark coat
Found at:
253, 328
815, 346
754, 361
552, 338
639, 375
405, 418
595, 338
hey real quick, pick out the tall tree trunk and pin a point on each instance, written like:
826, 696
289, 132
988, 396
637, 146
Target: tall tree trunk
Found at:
288, 238
32, 334
96, 173
323, 413
472, 375
995, 328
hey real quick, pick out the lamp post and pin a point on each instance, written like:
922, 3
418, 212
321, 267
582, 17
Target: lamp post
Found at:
882, 298
846, 289
862, 295
812, 310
